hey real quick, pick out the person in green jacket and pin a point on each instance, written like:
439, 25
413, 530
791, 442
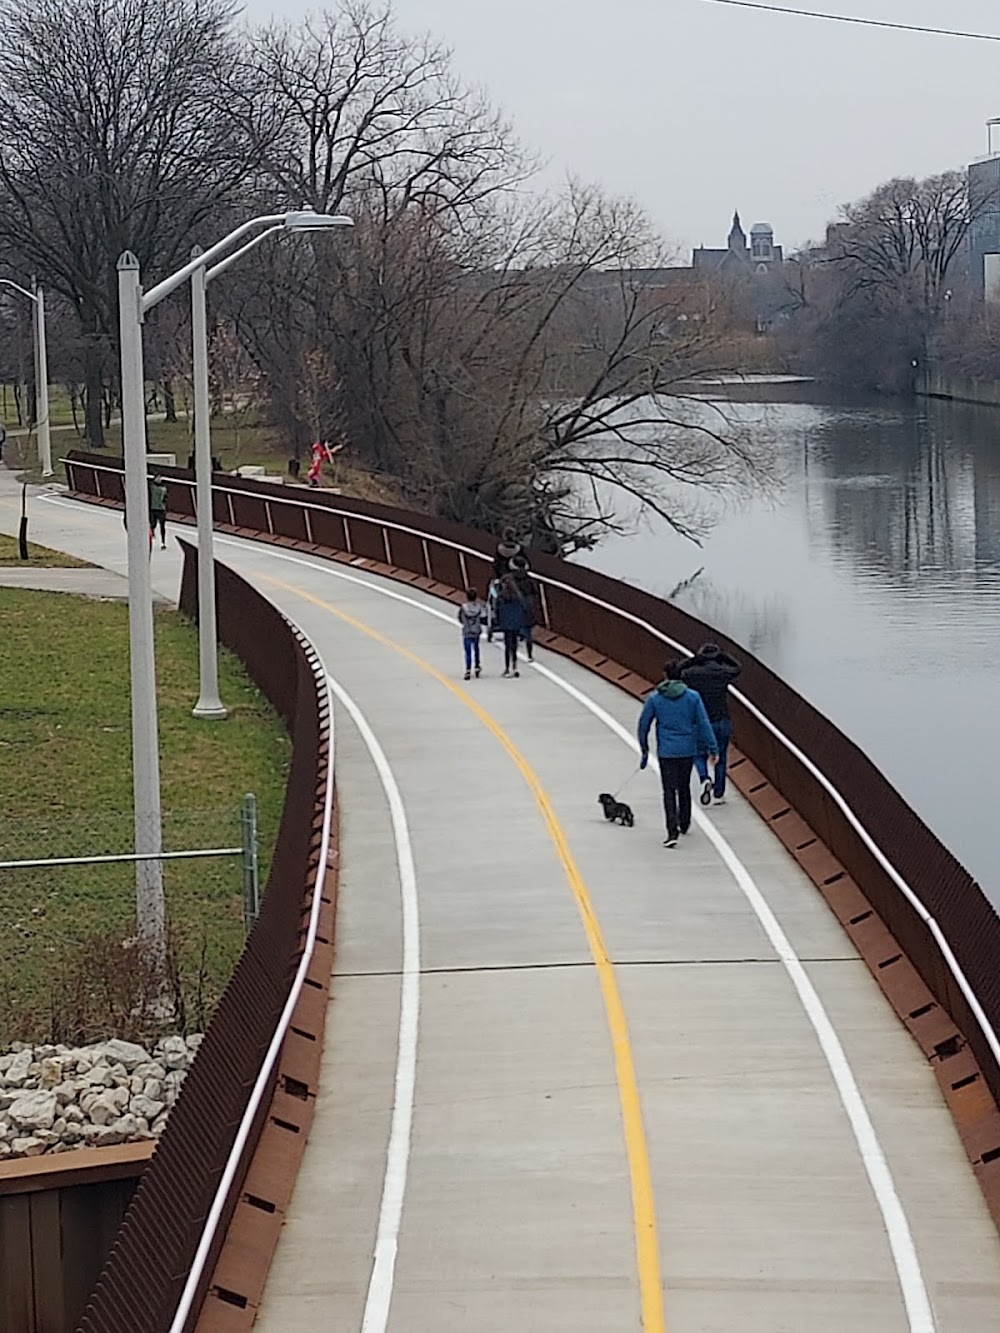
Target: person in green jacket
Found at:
158, 511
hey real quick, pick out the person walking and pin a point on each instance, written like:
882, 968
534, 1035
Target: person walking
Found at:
511, 620
711, 672
472, 618
508, 547
682, 731
158, 512
528, 589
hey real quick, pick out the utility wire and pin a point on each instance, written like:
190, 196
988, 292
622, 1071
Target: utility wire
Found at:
865, 23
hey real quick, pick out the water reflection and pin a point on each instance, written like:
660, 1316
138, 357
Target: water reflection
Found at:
872, 584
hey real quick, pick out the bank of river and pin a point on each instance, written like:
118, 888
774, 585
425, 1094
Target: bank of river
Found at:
870, 582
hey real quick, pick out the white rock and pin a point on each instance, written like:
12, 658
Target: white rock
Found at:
142, 1127
73, 1115
59, 1126
159, 1125
8, 1098
6, 1061
146, 1107
127, 1125
35, 1110
104, 1108
151, 1070
65, 1092
126, 1053
153, 1088
72, 1133
136, 1084
4, 1150
98, 1077
50, 1072
29, 1147
107, 1136
194, 1041
90, 1132
17, 1070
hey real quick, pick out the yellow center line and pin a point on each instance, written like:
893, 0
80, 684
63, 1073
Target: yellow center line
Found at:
643, 1210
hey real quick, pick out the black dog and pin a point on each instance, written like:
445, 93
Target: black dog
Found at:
616, 810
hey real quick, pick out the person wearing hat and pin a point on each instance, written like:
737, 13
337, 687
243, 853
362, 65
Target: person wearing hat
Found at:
711, 672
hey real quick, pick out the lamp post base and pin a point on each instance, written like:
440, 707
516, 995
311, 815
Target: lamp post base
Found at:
213, 709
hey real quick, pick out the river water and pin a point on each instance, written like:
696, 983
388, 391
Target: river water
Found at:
870, 581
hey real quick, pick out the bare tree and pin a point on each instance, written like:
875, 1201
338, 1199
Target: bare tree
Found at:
115, 134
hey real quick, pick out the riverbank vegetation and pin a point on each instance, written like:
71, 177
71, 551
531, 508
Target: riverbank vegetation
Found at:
495, 355
890, 293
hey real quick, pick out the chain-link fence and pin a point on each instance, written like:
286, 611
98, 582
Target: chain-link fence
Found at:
69, 962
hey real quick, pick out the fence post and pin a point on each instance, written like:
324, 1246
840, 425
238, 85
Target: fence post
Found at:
251, 887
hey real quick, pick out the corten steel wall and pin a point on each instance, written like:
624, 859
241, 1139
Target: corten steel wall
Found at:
141, 1283
947, 891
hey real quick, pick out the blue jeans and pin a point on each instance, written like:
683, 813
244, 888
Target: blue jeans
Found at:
471, 646
723, 732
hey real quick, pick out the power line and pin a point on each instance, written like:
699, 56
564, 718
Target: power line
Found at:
865, 23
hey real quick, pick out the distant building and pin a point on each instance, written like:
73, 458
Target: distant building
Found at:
759, 255
984, 203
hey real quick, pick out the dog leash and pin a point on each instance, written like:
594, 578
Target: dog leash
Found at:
637, 769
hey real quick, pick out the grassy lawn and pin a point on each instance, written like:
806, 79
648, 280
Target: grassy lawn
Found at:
39, 557
66, 789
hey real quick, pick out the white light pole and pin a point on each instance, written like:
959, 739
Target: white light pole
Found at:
41, 361
133, 305
209, 704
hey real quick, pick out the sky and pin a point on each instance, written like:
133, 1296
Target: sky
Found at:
695, 108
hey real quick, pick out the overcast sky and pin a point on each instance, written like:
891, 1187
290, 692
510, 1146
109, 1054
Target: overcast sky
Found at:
696, 108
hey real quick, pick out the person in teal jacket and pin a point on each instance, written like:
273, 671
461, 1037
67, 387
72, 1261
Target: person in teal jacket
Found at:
682, 731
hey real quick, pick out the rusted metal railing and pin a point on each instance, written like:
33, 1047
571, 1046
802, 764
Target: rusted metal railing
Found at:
156, 1276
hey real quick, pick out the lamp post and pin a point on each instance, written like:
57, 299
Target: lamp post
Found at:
209, 704
37, 297
133, 304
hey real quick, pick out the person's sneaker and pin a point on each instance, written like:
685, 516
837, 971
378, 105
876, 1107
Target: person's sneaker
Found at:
685, 831
479, 672
670, 842
706, 792
506, 673
163, 546
720, 800
467, 675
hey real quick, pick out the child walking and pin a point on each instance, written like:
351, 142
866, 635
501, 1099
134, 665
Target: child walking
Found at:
472, 618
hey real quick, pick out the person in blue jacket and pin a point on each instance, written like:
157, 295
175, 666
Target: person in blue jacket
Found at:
682, 731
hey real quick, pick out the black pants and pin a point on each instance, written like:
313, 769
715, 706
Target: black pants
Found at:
158, 519
510, 638
675, 774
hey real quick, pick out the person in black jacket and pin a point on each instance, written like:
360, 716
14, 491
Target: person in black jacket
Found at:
711, 672
528, 589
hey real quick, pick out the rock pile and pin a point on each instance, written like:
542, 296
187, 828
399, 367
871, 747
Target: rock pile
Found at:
55, 1098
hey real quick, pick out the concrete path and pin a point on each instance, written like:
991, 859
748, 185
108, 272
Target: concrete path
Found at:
86, 582
574, 1081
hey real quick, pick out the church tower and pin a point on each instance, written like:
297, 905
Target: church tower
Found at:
737, 236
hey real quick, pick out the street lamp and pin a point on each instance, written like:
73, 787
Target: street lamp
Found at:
133, 305
37, 298
209, 704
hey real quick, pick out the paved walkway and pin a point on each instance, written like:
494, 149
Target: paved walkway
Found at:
85, 582
574, 1081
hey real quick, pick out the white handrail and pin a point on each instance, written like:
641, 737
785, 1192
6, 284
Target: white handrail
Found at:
186, 1302
912, 898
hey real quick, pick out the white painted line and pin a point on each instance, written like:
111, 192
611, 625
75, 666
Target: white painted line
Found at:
911, 1281
907, 1264
379, 1299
